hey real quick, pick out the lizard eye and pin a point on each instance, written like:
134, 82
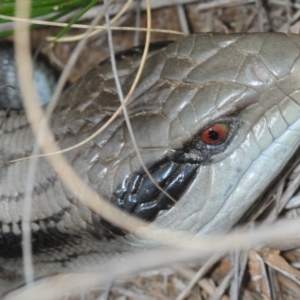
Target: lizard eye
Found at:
215, 133
215, 137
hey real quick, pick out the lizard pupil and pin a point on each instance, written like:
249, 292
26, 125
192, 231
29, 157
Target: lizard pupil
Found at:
213, 135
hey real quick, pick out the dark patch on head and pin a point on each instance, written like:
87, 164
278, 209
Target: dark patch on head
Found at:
139, 196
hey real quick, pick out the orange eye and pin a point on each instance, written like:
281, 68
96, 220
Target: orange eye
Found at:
215, 133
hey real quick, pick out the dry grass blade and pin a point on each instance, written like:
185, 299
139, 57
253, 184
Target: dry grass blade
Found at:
125, 101
220, 290
259, 274
273, 258
83, 26
200, 248
201, 272
22, 9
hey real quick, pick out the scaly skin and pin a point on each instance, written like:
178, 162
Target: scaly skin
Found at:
249, 80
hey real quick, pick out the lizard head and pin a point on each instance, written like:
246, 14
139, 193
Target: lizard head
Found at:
215, 117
